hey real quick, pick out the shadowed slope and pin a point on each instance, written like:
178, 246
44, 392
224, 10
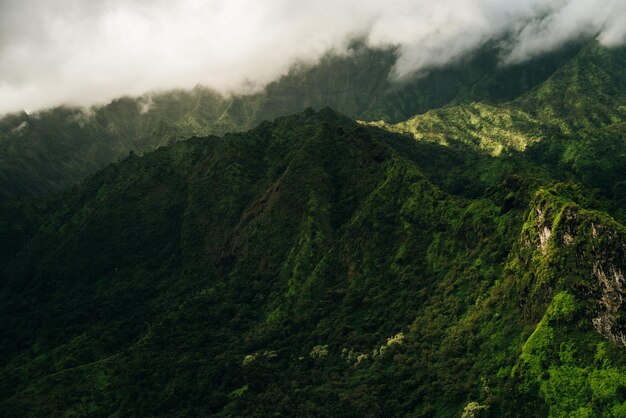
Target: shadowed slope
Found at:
313, 266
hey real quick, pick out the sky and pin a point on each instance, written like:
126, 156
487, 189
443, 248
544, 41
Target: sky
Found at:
86, 52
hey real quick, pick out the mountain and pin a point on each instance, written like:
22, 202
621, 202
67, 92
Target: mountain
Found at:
573, 124
52, 150
468, 261
252, 262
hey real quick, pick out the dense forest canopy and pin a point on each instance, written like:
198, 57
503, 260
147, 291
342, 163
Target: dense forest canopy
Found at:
335, 245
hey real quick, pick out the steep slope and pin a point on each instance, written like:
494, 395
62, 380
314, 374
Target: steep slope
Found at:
573, 124
313, 266
51, 150
583, 107
587, 93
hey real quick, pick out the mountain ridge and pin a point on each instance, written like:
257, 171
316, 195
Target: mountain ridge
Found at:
319, 266
52, 150
263, 273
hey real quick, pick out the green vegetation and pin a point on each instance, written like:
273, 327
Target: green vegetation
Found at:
493, 129
316, 266
52, 150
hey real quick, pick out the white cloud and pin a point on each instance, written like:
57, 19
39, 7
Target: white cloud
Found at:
84, 52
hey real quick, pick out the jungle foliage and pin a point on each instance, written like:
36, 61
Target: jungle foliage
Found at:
468, 261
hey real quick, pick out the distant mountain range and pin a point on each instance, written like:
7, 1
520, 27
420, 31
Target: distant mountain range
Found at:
451, 246
51, 150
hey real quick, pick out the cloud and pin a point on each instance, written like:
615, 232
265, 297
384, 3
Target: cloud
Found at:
84, 52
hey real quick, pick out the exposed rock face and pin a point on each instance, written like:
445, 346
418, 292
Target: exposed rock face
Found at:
544, 230
544, 237
607, 249
612, 282
600, 241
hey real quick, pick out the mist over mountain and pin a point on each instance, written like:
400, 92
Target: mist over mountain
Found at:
51, 150
55, 52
